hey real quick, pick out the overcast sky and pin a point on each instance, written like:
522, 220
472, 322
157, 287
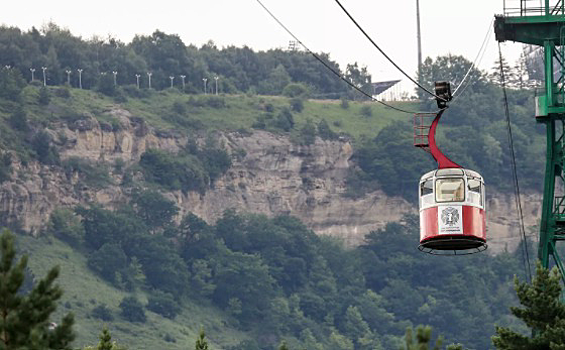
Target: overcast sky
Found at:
448, 26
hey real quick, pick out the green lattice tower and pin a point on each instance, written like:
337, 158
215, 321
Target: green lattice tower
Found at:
545, 26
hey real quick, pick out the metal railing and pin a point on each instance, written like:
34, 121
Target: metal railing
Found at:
520, 8
422, 124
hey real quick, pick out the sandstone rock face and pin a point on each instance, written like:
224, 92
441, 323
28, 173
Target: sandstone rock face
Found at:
270, 175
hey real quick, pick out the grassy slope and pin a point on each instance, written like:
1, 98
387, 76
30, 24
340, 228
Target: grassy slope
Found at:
241, 110
84, 291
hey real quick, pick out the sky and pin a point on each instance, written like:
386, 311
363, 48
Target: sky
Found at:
448, 26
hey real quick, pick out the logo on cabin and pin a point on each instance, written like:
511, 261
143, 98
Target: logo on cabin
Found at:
450, 216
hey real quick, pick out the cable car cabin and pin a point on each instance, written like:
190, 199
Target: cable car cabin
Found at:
452, 212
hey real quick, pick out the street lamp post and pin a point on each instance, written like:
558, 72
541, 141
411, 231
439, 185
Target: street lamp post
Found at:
172, 78
115, 73
79, 78
68, 71
149, 74
32, 70
44, 76
205, 80
182, 77
216, 79
137, 80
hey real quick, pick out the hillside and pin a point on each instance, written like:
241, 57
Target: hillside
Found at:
272, 171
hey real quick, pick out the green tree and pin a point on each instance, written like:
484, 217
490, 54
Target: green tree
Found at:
132, 310
63, 223
105, 342
154, 209
18, 119
108, 260
102, 312
542, 311
44, 96
325, 132
5, 166
338, 341
25, 318
283, 346
422, 340
359, 77
46, 153
201, 343
164, 304
307, 134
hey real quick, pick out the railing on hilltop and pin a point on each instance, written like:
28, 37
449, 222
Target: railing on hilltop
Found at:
519, 8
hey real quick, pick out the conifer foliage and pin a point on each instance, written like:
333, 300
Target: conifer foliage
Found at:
542, 311
24, 319
105, 342
423, 338
201, 343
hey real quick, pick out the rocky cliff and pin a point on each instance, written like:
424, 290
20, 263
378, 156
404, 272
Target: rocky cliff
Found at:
271, 175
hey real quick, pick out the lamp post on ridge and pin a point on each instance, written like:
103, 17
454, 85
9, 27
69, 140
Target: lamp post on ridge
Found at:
68, 71
216, 79
32, 70
149, 74
79, 78
172, 78
44, 76
137, 80
182, 77
115, 77
205, 80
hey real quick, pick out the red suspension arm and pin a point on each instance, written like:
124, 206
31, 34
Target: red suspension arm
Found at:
442, 160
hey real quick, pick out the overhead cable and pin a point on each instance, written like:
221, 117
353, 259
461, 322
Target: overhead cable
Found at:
384, 54
515, 173
317, 57
479, 54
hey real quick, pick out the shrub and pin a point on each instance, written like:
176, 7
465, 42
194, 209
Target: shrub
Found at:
216, 101
95, 175
44, 96
297, 104
11, 84
173, 172
102, 312
163, 304
106, 85
41, 144
325, 132
259, 123
366, 111
5, 167
132, 310
18, 120
284, 120
307, 135
295, 90
65, 225
63, 92
179, 107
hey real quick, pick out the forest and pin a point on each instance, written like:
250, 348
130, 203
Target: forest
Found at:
279, 280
